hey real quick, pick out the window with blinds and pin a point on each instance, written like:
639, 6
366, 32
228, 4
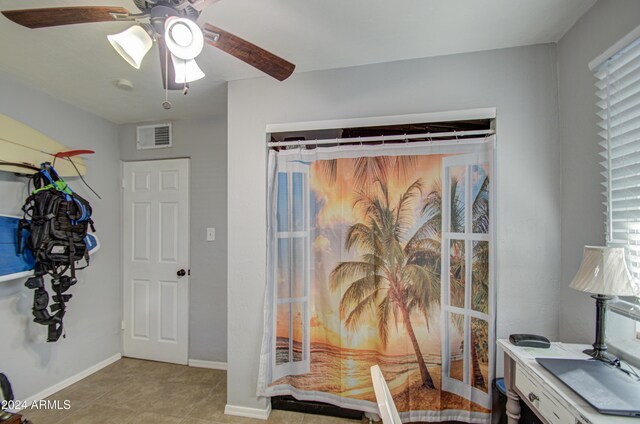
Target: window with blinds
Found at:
618, 91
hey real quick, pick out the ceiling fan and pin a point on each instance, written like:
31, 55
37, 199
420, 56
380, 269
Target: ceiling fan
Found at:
169, 23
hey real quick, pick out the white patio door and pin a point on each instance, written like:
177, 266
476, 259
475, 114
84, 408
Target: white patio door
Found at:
156, 260
467, 277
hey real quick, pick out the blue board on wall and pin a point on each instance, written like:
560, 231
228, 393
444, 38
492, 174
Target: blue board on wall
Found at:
14, 265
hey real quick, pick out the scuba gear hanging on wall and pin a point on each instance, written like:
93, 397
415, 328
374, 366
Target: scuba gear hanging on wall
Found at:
57, 220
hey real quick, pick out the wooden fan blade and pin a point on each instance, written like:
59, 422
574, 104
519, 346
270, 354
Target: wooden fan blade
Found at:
55, 16
166, 65
249, 53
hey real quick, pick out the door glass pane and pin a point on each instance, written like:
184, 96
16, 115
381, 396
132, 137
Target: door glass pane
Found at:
282, 333
457, 175
284, 270
299, 266
480, 354
297, 201
298, 330
480, 196
282, 208
480, 277
457, 273
456, 346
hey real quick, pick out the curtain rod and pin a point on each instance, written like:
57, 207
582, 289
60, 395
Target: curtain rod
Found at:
380, 138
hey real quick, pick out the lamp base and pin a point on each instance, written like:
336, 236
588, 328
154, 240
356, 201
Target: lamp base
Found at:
602, 355
599, 350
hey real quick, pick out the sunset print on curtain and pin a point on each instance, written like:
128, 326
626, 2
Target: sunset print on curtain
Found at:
382, 255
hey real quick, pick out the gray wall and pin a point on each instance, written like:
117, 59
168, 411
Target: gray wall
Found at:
520, 82
205, 142
582, 209
92, 322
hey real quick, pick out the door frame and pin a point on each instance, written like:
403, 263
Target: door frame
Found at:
122, 180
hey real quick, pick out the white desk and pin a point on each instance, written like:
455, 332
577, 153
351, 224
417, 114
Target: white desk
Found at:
548, 397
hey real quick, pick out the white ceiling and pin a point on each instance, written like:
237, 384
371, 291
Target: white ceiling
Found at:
77, 64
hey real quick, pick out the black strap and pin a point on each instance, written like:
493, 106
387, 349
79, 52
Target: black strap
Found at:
60, 284
56, 328
72, 255
72, 246
22, 224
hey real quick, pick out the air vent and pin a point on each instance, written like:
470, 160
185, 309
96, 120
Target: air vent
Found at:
154, 136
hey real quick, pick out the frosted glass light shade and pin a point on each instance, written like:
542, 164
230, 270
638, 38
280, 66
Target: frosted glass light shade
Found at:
604, 271
186, 70
183, 37
132, 44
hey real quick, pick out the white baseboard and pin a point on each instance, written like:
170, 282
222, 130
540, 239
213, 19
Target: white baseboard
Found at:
213, 365
71, 380
242, 411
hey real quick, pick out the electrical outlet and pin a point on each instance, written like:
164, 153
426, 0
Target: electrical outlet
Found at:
211, 234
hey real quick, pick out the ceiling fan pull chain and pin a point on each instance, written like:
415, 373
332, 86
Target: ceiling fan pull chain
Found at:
185, 88
166, 104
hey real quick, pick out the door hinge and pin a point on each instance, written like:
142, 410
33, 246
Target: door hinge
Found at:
122, 325
124, 183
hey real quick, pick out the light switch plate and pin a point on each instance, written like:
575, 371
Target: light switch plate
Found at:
211, 234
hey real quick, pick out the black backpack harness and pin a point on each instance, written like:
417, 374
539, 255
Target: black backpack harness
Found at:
57, 220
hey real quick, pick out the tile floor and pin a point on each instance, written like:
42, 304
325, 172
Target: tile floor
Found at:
133, 391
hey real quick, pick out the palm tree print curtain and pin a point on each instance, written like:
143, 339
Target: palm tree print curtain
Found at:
382, 255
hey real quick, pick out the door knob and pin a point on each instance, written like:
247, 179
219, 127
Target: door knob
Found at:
181, 273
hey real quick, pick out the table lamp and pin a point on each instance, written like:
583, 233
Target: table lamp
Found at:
603, 272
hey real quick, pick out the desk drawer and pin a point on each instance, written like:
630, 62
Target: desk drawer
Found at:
544, 401
553, 410
529, 386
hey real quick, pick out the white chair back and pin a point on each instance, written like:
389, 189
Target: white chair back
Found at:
387, 407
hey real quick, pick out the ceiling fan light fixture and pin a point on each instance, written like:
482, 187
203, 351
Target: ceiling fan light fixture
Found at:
183, 37
181, 34
186, 70
132, 44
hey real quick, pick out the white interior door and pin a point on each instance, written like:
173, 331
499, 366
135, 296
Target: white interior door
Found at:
467, 276
156, 260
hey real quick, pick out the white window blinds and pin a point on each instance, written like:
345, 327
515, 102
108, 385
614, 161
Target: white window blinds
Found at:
619, 93
619, 110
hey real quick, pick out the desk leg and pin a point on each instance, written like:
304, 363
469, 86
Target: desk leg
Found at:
513, 400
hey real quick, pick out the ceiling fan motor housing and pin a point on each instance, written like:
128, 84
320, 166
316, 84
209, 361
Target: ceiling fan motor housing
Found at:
159, 15
161, 9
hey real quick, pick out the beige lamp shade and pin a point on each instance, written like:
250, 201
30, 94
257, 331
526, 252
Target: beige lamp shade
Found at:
604, 271
132, 44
